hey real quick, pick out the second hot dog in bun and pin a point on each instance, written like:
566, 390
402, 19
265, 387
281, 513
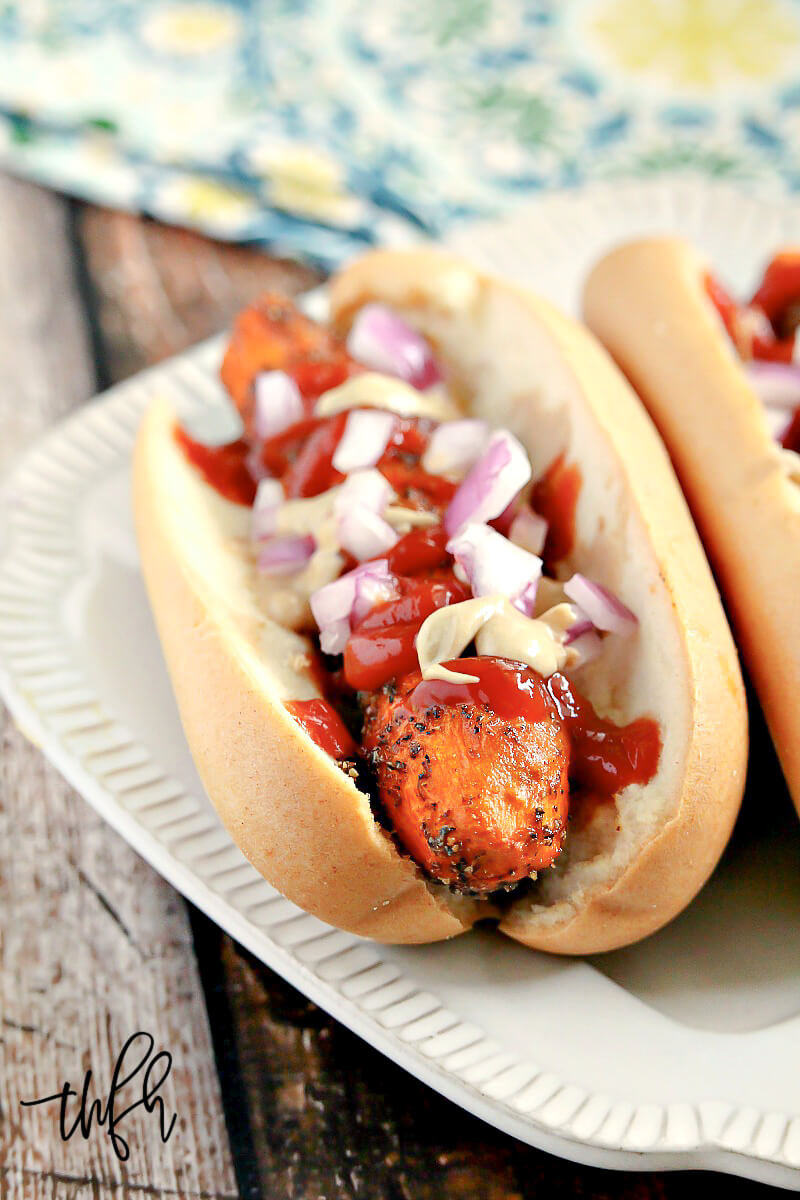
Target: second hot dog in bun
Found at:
443, 639
718, 380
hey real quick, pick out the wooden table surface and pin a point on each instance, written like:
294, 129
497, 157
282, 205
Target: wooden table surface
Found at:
274, 1099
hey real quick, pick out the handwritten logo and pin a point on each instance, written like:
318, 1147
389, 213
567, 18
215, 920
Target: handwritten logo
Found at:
157, 1069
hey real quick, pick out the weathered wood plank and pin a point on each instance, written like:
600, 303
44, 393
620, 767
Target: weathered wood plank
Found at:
95, 945
33, 1185
332, 1117
159, 290
45, 366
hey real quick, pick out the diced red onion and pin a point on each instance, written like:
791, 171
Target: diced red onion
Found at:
349, 598
278, 403
776, 384
581, 626
331, 606
526, 600
266, 506
333, 638
364, 533
254, 463
385, 342
373, 587
504, 522
528, 530
366, 435
495, 566
586, 648
600, 605
363, 489
286, 554
492, 483
333, 601
455, 446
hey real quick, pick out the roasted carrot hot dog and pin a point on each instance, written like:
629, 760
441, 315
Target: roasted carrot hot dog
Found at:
431, 619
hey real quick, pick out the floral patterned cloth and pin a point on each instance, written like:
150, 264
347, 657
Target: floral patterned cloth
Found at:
316, 126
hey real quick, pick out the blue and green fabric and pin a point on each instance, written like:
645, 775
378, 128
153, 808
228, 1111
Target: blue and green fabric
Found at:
317, 126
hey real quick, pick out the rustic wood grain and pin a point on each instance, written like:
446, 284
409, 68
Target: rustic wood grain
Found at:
158, 290
95, 946
333, 1118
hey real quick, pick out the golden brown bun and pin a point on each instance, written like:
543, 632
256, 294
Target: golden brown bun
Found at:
524, 365
647, 302
296, 816
302, 822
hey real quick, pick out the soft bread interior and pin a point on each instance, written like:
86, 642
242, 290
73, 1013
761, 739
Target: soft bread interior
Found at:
520, 364
300, 820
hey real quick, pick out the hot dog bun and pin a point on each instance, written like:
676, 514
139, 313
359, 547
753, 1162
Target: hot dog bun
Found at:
647, 302
299, 819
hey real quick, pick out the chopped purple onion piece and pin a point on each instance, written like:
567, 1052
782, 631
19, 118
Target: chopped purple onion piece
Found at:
383, 341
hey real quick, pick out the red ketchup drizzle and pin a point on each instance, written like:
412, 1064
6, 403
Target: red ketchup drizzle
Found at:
223, 467
778, 298
748, 342
509, 689
414, 484
312, 471
555, 497
780, 350
780, 286
279, 452
604, 757
417, 551
791, 439
725, 305
410, 437
316, 376
382, 645
323, 725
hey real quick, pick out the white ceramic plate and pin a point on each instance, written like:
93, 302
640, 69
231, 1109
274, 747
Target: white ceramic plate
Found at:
681, 1052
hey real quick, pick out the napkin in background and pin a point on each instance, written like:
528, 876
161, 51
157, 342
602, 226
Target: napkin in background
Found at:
318, 126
